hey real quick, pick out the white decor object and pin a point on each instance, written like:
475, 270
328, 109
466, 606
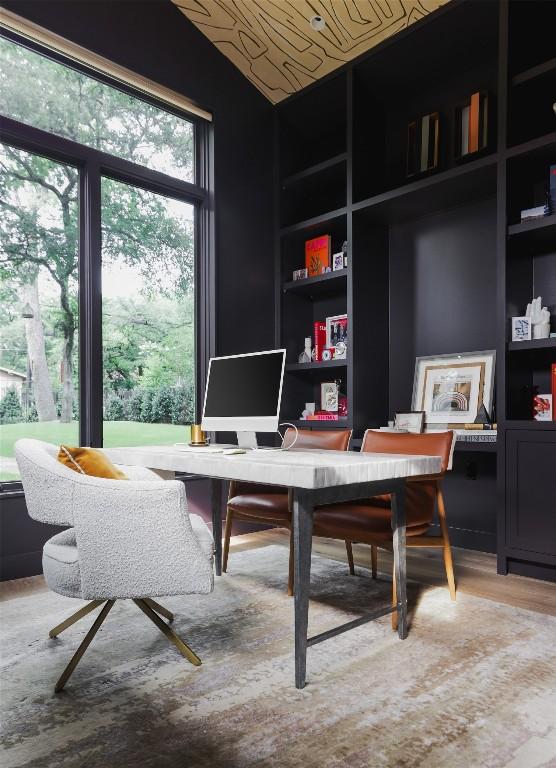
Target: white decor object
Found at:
307, 355
521, 328
540, 318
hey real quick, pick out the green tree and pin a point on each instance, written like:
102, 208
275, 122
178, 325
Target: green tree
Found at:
10, 407
136, 226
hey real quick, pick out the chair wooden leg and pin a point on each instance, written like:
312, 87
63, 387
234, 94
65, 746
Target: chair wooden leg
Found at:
374, 560
76, 658
291, 566
59, 628
394, 600
447, 551
227, 535
349, 550
182, 646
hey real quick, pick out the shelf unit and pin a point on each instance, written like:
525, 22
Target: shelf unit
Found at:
437, 263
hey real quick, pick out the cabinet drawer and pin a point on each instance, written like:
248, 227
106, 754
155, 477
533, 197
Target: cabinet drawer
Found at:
531, 490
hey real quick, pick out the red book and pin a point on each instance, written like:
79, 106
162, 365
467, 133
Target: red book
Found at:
553, 388
319, 338
323, 417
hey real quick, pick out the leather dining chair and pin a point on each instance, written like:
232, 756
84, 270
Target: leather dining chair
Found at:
369, 521
270, 504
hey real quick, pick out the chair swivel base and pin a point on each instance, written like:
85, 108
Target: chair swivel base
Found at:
149, 607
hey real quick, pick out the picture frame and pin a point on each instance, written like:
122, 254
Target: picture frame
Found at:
521, 328
337, 261
300, 274
452, 388
336, 330
329, 396
412, 421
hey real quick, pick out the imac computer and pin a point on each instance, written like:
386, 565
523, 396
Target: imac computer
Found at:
243, 395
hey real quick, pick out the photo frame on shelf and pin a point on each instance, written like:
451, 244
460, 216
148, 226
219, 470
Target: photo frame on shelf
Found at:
423, 144
412, 421
471, 129
450, 389
521, 328
337, 331
329, 394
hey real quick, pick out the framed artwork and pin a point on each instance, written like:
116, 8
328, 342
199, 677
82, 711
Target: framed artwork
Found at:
336, 330
450, 389
413, 421
329, 396
337, 261
521, 329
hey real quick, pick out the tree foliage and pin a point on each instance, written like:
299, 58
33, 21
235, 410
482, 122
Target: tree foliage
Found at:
39, 222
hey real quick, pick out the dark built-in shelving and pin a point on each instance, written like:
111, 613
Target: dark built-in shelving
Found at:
312, 367
520, 346
319, 285
437, 263
540, 232
534, 72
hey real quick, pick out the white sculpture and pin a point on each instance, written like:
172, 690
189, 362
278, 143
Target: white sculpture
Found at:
540, 319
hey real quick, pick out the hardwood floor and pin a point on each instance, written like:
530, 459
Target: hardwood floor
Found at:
475, 571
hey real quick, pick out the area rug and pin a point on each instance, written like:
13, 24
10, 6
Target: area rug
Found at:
473, 685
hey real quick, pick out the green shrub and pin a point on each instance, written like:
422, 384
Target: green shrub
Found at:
146, 412
114, 409
183, 409
10, 408
162, 405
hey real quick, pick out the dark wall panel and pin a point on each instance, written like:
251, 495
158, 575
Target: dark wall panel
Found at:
442, 290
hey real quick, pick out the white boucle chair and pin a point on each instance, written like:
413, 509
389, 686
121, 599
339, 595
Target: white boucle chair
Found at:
128, 539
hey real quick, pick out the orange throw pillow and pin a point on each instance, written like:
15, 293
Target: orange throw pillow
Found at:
89, 461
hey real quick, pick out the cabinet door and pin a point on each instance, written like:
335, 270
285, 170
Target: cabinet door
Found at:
531, 490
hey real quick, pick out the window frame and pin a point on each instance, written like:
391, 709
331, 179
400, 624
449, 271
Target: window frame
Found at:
92, 165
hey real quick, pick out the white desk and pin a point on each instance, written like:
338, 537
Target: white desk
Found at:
314, 478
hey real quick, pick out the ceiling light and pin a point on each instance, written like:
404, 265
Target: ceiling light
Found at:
318, 23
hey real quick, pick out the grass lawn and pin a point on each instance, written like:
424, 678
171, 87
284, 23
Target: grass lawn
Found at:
116, 433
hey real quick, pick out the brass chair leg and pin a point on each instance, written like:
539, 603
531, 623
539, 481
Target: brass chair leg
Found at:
59, 628
227, 535
182, 647
291, 566
447, 551
374, 560
394, 600
160, 609
349, 551
66, 674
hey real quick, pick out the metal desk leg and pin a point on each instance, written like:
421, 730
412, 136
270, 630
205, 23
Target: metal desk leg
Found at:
398, 528
303, 539
216, 504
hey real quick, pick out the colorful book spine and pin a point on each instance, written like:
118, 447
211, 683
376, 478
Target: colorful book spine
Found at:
553, 388
473, 142
319, 339
323, 417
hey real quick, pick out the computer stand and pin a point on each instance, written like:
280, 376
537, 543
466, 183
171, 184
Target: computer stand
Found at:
247, 440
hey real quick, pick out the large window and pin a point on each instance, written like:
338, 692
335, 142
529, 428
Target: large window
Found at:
102, 206
147, 316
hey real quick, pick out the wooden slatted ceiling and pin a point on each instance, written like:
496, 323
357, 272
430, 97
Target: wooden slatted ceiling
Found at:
273, 44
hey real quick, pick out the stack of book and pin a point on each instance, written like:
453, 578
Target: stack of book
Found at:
530, 214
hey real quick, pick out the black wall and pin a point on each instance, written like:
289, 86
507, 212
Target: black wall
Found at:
156, 40
443, 300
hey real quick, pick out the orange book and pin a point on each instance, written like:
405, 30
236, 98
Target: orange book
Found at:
317, 255
474, 122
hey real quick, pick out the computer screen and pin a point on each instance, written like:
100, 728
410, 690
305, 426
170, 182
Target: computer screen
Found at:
244, 386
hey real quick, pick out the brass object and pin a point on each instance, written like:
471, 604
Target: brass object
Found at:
160, 609
182, 647
198, 437
75, 617
76, 658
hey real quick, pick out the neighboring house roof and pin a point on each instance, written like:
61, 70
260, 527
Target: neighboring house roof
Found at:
12, 373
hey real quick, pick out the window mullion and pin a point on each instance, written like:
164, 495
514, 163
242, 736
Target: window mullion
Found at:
90, 301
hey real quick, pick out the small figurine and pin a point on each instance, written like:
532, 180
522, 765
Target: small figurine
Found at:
540, 319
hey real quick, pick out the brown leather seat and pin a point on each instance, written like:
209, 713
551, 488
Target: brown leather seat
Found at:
371, 521
269, 504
